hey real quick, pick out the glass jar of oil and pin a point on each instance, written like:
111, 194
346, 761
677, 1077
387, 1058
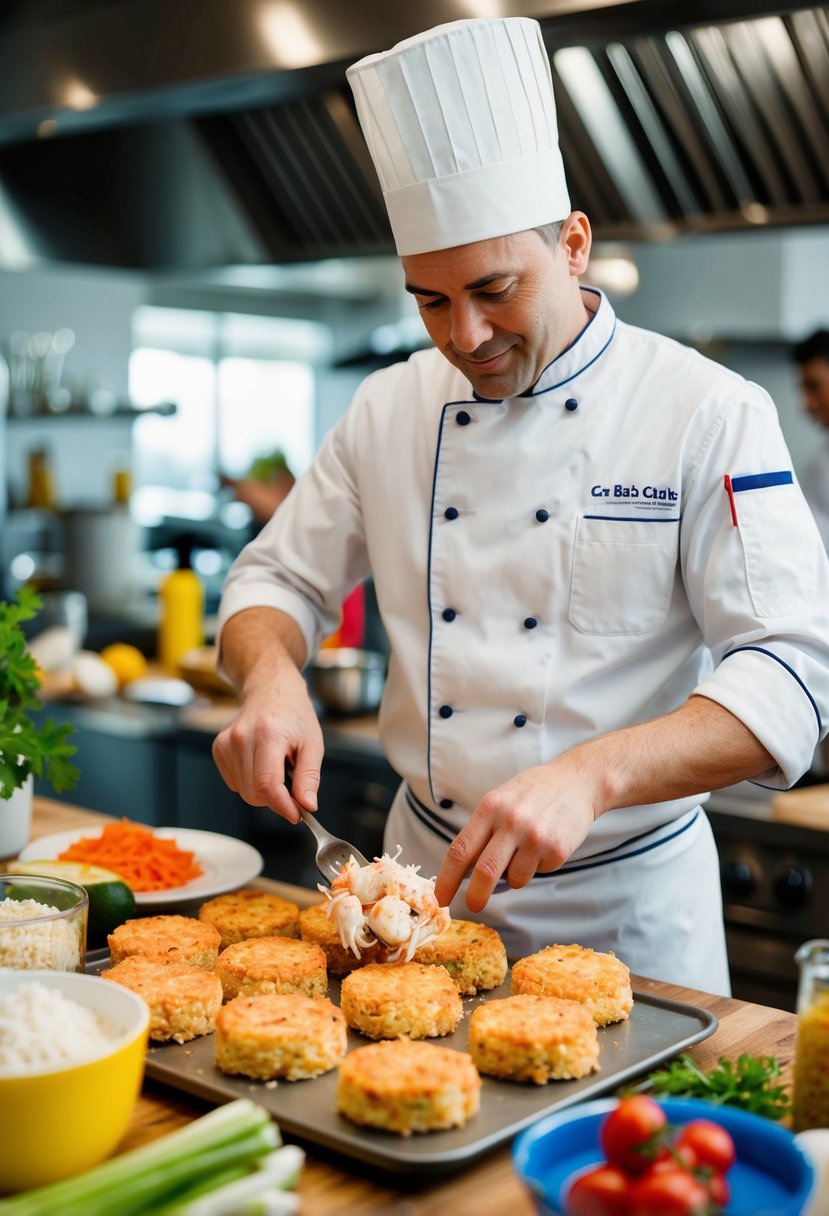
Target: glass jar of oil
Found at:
811, 1065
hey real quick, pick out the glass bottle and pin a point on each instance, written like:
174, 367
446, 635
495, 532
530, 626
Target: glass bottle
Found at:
811, 1063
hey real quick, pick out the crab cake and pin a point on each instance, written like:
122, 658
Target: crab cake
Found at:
474, 956
250, 913
272, 964
534, 1038
408, 1087
279, 1035
385, 1002
183, 999
575, 973
166, 939
315, 926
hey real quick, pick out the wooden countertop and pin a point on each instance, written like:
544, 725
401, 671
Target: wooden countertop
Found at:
488, 1187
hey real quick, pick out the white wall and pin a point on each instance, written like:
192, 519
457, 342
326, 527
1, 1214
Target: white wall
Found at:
743, 285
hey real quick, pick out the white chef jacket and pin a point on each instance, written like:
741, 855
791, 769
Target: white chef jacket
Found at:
558, 565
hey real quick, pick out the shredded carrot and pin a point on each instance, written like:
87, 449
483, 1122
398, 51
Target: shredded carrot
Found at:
146, 862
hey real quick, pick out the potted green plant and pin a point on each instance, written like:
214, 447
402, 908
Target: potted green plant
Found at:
27, 749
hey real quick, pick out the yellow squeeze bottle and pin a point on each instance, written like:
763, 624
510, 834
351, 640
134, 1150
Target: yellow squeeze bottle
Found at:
181, 610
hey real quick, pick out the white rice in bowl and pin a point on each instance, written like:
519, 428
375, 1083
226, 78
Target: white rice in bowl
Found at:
41, 1028
45, 939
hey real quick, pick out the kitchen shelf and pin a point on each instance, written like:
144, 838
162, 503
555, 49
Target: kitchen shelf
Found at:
165, 408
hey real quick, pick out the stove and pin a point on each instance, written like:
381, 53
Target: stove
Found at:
775, 885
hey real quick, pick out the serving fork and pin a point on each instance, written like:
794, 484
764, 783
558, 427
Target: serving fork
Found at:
332, 853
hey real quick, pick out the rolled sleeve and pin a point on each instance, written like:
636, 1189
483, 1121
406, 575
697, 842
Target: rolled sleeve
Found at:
763, 690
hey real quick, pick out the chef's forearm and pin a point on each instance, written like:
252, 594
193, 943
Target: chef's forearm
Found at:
259, 643
699, 747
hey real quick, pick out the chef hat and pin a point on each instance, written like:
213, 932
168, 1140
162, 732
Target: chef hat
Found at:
461, 125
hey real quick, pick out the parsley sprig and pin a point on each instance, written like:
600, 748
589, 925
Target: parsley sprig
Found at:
24, 747
750, 1084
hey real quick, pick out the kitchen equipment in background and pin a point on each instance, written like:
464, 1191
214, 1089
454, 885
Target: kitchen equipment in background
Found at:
40, 492
181, 607
62, 609
160, 690
36, 370
346, 680
101, 544
775, 887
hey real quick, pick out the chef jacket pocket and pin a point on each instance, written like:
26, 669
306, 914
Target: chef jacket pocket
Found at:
623, 574
780, 546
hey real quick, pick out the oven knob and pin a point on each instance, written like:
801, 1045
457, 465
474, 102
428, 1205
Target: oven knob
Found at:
738, 878
792, 885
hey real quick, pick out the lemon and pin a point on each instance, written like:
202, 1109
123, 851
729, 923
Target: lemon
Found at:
126, 661
111, 901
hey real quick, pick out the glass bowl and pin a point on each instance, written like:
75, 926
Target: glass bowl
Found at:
43, 923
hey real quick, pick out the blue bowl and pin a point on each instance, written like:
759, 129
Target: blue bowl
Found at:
772, 1175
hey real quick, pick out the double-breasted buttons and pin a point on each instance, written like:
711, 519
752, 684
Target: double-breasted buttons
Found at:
445, 803
449, 614
520, 720
571, 404
451, 513
542, 515
446, 711
462, 418
530, 622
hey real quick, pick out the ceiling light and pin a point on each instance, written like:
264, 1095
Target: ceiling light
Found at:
288, 35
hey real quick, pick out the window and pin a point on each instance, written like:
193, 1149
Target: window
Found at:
242, 385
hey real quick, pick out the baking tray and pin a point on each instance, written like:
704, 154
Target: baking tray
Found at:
657, 1029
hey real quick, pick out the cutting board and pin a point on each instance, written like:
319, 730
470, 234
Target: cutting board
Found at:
808, 808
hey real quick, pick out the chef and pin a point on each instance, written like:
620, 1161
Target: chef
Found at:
603, 591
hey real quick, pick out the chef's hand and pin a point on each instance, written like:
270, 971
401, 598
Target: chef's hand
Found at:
276, 734
532, 822
535, 820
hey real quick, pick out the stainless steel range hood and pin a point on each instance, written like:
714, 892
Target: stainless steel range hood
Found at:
171, 134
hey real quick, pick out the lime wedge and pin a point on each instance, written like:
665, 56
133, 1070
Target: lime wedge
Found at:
111, 901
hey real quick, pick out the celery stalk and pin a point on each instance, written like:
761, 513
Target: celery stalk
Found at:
276, 1171
155, 1173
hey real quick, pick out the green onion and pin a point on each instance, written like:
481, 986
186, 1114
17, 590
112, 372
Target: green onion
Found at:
156, 1174
264, 1185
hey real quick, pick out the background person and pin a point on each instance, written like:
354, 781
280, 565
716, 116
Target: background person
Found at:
812, 359
603, 590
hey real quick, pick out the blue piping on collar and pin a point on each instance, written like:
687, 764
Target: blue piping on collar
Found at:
550, 388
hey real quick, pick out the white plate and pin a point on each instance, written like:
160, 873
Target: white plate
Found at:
227, 863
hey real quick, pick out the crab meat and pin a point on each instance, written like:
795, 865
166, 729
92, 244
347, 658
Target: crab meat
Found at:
391, 920
386, 902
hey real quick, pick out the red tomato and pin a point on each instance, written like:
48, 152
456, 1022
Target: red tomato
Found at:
678, 1157
627, 1134
603, 1191
668, 1193
719, 1190
711, 1143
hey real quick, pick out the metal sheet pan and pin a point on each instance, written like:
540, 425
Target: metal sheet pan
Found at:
658, 1028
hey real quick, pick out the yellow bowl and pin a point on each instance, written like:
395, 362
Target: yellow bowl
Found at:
58, 1120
